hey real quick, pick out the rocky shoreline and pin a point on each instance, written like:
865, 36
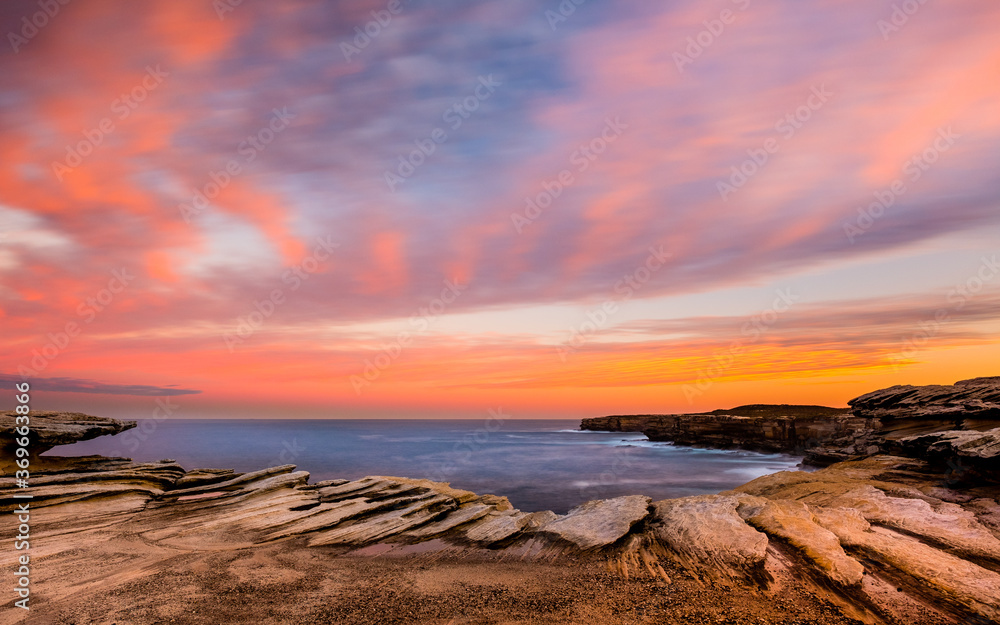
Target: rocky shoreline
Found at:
909, 533
767, 428
891, 420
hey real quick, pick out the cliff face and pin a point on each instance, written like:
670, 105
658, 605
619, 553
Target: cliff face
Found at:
773, 434
877, 421
636, 423
619, 423
758, 427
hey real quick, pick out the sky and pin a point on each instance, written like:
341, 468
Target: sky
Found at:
409, 209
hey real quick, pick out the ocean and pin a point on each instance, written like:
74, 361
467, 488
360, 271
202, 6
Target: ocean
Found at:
538, 464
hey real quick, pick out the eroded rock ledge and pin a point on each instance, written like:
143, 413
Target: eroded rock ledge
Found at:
885, 538
49, 429
962, 404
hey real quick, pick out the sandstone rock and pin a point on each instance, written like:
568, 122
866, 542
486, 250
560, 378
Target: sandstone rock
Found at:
537, 520
327, 483
987, 512
52, 488
759, 427
945, 524
862, 486
599, 523
464, 514
497, 527
707, 535
918, 568
241, 516
638, 423
443, 488
76, 493
326, 516
233, 483
201, 477
48, 429
355, 488
974, 399
619, 423
794, 522
500, 503
374, 528
960, 450
828, 435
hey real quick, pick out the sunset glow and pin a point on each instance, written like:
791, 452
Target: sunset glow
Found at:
390, 209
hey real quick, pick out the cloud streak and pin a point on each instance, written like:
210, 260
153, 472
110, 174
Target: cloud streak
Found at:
77, 385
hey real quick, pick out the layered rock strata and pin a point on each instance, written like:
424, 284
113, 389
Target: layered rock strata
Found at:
49, 429
888, 538
911, 410
876, 422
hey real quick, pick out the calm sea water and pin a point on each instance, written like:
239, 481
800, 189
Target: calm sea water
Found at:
539, 465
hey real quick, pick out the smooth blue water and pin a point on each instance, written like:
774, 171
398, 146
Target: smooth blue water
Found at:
539, 465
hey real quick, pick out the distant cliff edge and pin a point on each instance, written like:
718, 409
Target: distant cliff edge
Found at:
876, 422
